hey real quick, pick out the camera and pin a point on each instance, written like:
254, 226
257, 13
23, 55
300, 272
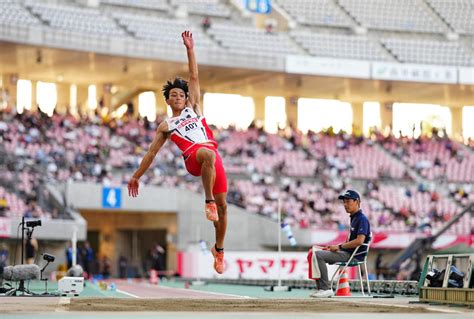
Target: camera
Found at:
48, 257
33, 223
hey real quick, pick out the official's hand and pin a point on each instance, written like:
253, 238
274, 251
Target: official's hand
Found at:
188, 39
333, 248
133, 187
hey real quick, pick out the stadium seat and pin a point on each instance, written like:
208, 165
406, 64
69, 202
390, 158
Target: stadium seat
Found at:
316, 12
458, 14
400, 15
352, 262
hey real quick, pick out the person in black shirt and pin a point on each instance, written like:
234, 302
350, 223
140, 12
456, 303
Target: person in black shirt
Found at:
359, 234
31, 246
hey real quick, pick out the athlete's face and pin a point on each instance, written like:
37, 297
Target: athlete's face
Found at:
177, 99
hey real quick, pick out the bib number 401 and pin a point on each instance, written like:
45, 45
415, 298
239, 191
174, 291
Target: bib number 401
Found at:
190, 126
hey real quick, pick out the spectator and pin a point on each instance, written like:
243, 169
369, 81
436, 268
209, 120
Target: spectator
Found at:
269, 27
87, 258
379, 270
206, 23
158, 257
31, 248
122, 266
3, 256
434, 196
69, 255
3, 206
105, 267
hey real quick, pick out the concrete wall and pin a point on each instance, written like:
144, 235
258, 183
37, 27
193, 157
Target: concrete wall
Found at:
54, 229
246, 231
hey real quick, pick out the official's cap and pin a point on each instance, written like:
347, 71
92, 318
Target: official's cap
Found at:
349, 194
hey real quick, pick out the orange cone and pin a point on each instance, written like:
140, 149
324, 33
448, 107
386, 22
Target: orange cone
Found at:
343, 290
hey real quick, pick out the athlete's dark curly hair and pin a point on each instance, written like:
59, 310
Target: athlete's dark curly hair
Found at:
177, 83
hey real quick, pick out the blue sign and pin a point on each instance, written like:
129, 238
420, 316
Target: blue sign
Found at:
111, 197
258, 6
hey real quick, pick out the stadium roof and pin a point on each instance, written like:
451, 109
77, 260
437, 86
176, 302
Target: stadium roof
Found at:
92, 68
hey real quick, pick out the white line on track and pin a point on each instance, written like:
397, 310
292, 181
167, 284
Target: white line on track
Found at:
208, 292
127, 293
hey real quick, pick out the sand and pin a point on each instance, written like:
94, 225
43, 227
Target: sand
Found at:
238, 305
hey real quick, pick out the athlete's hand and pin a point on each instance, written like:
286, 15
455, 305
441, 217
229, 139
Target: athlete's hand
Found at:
133, 187
188, 39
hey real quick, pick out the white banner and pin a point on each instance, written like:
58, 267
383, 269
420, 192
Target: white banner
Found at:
327, 66
414, 72
466, 75
249, 265
5, 227
385, 240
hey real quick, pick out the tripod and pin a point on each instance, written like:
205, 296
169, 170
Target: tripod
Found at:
21, 287
45, 279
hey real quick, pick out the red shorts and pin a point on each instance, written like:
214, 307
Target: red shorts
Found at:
194, 168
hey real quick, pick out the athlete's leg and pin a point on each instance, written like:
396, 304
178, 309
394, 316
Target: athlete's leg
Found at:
220, 195
207, 159
221, 225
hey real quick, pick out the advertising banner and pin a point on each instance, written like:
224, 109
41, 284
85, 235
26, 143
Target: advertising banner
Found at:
327, 67
414, 72
248, 265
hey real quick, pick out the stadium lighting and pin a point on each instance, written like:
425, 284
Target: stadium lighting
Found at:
73, 99
46, 97
92, 97
23, 95
147, 105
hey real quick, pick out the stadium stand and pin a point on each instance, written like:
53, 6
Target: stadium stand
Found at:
429, 51
316, 205
434, 159
410, 200
404, 31
17, 207
256, 151
14, 14
359, 155
402, 15
307, 171
75, 18
316, 13
246, 39
457, 14
463, 194
341, 46
161, 5
204, 7
160, 28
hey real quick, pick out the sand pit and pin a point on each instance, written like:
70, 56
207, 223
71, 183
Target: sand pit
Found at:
238, 305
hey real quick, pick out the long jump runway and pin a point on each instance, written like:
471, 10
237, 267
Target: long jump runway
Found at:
143, 290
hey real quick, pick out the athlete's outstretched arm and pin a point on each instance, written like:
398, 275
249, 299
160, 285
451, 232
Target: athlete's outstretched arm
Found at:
193, 84
158, 141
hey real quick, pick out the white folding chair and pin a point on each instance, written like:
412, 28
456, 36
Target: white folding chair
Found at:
352, 262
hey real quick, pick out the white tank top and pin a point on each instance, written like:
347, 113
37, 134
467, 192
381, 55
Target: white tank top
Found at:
189, 129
